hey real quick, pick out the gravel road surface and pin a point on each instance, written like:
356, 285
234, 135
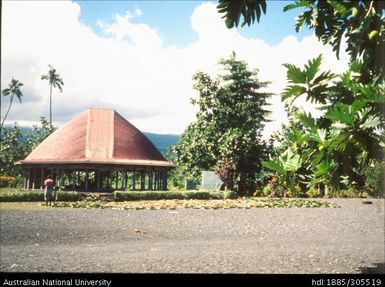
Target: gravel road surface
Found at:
349, 239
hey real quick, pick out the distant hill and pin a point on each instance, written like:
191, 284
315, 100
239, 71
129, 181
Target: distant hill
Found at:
161, 141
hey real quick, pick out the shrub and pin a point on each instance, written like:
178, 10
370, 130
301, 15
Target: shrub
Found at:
158, 195
266, 190
67, 196
229, 194
8, 181
19, 196
347, 193
257, 193
374, 179
313, 192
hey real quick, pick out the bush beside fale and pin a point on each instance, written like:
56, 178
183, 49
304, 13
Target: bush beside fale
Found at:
20, 196
7, 181
38, 195
157, 195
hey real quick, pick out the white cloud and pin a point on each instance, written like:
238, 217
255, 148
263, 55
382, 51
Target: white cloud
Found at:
129, 69
138, 12
141, 35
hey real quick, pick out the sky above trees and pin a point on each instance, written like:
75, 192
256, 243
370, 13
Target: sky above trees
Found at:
139, 57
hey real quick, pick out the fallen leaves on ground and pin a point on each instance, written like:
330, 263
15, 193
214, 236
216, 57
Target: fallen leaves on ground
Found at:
242, 203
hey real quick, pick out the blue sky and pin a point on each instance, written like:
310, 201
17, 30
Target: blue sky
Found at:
139, 57
172, 19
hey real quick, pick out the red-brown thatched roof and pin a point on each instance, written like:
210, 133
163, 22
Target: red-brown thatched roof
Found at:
97, 136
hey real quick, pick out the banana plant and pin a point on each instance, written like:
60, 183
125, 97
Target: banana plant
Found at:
286, 168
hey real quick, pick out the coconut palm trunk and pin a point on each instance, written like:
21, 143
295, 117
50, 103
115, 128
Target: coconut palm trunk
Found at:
50, 105
55, 81
6, 114
12, 91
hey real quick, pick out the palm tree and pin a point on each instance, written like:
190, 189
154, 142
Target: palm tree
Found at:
55, 81
12, 90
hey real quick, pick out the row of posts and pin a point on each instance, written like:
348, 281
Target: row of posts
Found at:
148, 179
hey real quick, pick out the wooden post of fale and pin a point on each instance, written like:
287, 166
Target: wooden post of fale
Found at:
133, 180
164, 186
78, 179
98, 180
26, 175
111, 180
34, 178
142, 180
73, 179
150, 180
160, 180
25, 181
29, 179
61, 179
156, 187
86, 182
124, 180
42, 178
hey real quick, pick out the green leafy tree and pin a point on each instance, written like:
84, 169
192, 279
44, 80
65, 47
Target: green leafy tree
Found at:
38, 134
228, 126
55, 81
347, 137
233, 10
12, 91
361, 22
16, 145
341, 143
176, 176
12, 149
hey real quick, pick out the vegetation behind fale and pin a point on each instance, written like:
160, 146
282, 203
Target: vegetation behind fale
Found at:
341, 153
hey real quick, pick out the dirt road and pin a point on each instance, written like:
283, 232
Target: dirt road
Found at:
349, 239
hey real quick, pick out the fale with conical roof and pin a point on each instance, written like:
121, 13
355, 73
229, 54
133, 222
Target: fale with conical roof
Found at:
98, 150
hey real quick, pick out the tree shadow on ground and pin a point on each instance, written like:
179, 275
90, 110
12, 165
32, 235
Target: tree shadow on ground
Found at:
377, 268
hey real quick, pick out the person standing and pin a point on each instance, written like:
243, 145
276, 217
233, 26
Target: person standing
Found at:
49, 190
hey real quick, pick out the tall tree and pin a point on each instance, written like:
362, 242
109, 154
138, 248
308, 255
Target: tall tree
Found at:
55, 81
226, 135
347, 138
12, 91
